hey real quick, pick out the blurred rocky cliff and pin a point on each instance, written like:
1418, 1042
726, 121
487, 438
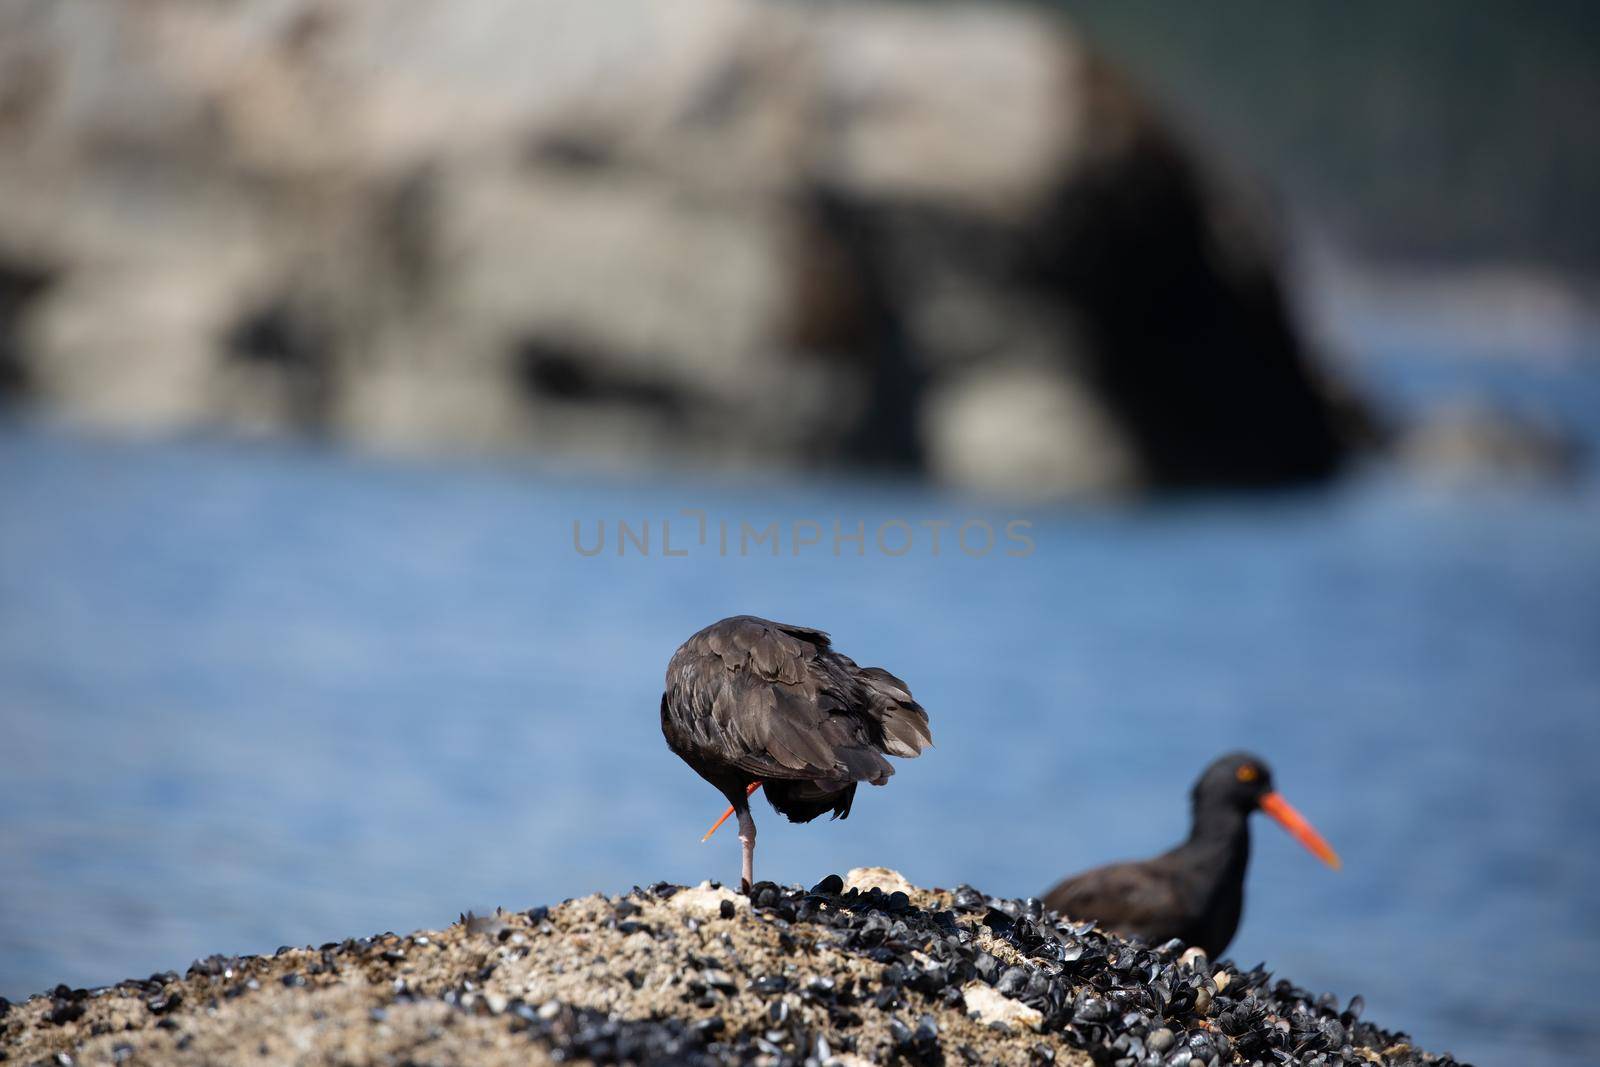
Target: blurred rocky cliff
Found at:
943, 238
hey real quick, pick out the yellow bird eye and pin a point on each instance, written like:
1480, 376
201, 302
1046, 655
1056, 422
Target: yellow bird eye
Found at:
1247, 773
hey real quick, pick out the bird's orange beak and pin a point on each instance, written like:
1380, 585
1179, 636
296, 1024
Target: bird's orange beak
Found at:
1299, 829
749, 789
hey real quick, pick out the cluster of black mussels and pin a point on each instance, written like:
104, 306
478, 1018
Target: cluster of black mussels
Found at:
1120, 1001
906, 998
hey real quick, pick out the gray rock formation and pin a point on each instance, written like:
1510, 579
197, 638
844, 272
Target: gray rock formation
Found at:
943, 237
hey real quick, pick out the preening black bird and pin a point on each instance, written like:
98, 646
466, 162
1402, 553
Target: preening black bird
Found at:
1195, 892
751, 703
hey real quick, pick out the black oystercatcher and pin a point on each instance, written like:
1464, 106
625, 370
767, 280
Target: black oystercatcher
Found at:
1195, 892
752, 703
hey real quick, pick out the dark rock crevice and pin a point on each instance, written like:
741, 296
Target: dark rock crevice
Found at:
22, 283
1195, 348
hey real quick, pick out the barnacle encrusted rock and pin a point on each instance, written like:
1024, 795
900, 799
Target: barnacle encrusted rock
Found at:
864, 879
991, 1007
668, 975
709, 902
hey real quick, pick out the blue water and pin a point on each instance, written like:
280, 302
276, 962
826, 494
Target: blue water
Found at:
263, 694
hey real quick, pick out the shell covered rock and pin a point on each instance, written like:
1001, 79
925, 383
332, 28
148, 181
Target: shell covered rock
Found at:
785, 976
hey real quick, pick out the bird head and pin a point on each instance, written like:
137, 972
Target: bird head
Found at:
1244, 782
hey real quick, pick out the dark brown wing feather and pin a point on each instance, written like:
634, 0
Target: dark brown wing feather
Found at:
751, 699
1135, 899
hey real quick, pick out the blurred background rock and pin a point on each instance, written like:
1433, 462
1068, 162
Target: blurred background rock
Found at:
948, 239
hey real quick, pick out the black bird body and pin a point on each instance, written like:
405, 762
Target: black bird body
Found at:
749, 700
1194, 892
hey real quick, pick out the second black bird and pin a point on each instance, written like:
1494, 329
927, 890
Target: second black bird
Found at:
1194, 892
